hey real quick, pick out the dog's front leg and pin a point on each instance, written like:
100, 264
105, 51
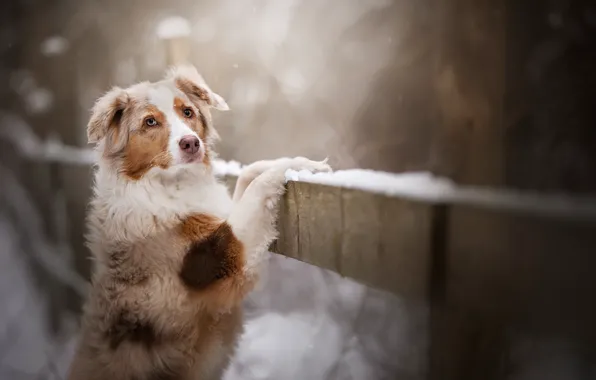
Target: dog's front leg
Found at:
248, 174
254, 214
252, 171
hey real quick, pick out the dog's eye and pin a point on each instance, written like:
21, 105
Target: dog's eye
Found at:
188, 112
151, 122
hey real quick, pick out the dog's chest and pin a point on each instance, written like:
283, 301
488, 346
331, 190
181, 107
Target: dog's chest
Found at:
183, 199
213, 199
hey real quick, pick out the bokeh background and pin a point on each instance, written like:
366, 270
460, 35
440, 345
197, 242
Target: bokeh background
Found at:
487, 93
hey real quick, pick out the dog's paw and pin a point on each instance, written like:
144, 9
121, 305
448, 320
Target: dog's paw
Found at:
303, 163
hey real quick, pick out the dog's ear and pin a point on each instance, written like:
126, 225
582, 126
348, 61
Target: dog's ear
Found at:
106, 118
189, 81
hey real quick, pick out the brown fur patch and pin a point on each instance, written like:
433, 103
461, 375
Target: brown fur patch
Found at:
192, 90
198, 226
147, 145
128, 327
214, 254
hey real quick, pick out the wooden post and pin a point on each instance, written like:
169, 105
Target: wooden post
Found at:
175, 31
469, 86
178, 50
469, 148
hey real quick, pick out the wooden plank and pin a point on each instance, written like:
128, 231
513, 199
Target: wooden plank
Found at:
380, 241
310, 225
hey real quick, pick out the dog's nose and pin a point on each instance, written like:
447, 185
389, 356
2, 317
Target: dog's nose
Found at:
189, 144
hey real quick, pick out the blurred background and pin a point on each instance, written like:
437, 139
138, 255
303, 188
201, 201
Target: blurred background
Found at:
496, 94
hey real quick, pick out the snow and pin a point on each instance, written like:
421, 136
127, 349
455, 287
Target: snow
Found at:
39, 100
54, 45
28, 346
226, 168
18, 132
426, 187
309, 323
173, 27
36, 98
413, 184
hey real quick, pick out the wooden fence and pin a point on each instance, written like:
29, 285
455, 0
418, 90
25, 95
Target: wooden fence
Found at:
490, 265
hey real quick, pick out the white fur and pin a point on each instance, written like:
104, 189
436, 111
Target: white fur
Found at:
163, 98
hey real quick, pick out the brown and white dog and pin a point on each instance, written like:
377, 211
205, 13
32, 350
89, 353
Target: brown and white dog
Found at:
174, 254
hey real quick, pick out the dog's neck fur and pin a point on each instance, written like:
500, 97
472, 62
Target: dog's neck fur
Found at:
124, 211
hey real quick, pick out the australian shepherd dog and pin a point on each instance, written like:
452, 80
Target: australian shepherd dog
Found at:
174, 254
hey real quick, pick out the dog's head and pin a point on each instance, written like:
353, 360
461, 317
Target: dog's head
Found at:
166, 124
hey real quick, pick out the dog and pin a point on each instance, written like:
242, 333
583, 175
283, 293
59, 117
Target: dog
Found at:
174, 254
